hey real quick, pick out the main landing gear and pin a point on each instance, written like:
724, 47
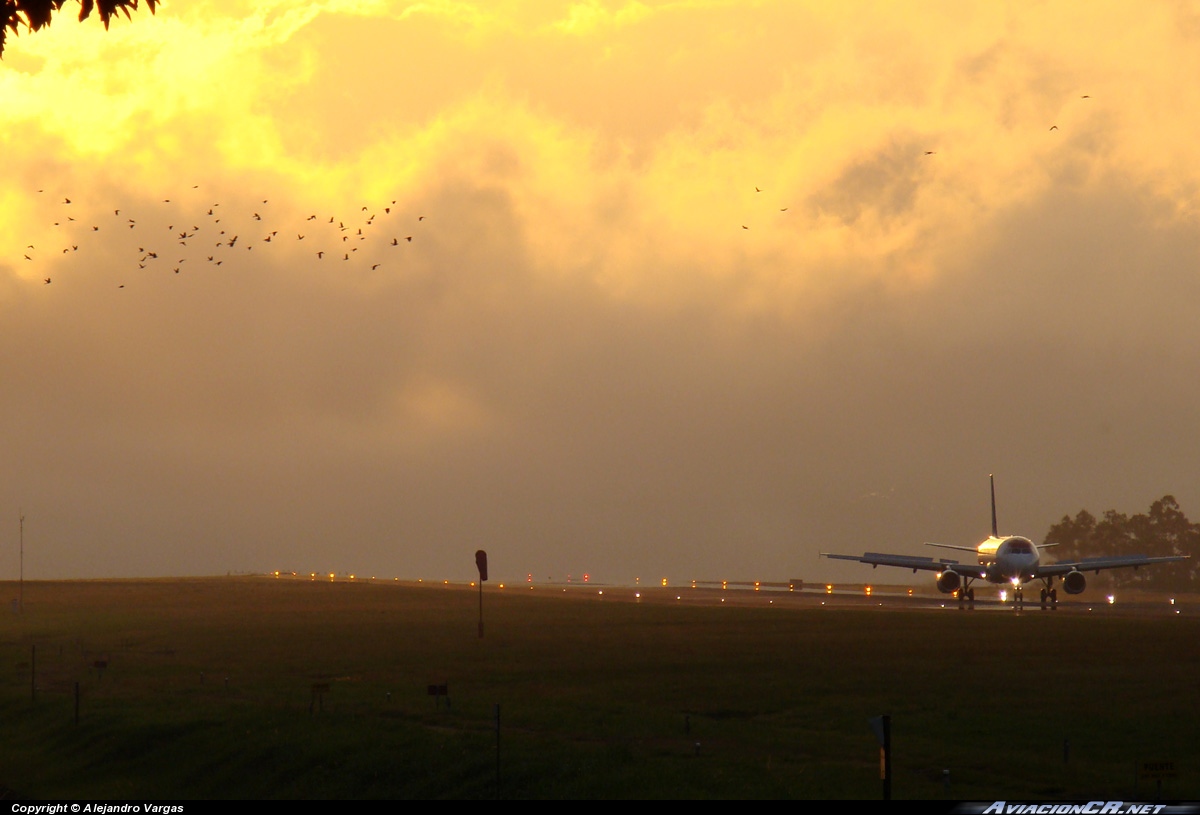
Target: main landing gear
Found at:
1050, 595
966, 595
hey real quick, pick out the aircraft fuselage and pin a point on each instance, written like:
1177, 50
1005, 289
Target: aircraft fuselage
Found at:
1010, 559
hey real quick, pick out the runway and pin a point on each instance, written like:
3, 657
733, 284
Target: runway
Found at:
885, 598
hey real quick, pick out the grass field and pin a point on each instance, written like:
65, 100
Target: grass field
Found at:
208, 692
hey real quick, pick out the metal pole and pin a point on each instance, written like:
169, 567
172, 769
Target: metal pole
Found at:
21, 583
887, 758
481, 609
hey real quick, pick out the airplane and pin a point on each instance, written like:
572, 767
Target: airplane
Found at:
1011, 559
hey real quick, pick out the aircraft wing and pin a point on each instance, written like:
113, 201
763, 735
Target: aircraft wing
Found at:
927, 564
1095, 564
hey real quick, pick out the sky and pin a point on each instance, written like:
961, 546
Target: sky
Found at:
693, 290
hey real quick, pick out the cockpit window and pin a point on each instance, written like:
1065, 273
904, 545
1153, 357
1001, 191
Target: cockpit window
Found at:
1019, 547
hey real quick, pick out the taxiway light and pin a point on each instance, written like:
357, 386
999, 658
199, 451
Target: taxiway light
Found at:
664, 582
867, 589
1111, 599
829, 588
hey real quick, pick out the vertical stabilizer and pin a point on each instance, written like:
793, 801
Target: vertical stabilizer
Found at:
992, 479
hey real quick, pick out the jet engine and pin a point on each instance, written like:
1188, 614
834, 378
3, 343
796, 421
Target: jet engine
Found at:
1074, 582
949, 581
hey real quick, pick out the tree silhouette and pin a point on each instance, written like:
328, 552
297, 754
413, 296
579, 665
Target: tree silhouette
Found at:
1162, 532
33, 14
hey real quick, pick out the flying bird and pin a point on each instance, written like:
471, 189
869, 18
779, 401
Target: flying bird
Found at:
1054, 127
47, 281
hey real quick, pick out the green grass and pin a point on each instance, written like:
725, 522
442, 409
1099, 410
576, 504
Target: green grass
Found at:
208, 689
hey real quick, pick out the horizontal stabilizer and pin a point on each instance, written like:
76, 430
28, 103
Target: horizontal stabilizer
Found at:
972, 549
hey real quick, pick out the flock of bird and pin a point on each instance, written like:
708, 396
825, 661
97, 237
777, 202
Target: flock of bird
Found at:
209, 234
182, 235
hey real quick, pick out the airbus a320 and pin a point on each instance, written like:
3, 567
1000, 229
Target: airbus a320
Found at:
1008, 559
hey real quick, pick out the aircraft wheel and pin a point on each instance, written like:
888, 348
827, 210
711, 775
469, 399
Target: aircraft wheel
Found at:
971, 595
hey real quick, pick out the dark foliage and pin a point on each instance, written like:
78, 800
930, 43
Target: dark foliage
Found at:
1164, 531
33, 14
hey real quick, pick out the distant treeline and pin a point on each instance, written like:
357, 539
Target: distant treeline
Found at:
1163, 531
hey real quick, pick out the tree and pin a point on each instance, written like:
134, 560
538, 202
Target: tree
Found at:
1072, 536
1162, 532
33, 14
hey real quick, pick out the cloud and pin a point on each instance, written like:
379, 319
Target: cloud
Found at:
687, 280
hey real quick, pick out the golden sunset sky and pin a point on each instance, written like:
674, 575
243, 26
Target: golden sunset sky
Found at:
694, 289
